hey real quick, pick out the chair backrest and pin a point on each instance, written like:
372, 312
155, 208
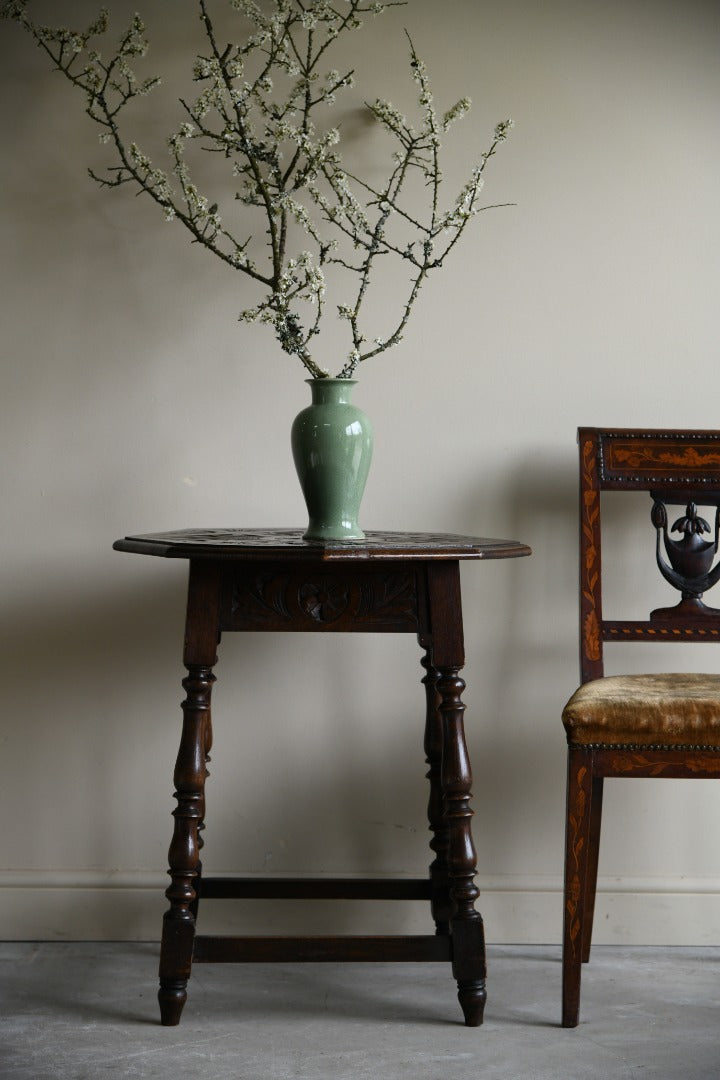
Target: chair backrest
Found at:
677, 468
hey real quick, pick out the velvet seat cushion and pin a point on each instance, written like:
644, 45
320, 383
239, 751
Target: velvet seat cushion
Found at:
667, 710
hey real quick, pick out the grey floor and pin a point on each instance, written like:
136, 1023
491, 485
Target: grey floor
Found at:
88, 1011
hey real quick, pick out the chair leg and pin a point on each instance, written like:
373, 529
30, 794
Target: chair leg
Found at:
577, 844
592, 865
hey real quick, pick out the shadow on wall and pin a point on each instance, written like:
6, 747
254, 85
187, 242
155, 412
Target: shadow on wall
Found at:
79, 663
531, 635
306, 775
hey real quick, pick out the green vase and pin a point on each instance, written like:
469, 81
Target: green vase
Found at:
332, 447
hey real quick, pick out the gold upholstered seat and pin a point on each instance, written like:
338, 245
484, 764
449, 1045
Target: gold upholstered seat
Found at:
667, 710
661, 725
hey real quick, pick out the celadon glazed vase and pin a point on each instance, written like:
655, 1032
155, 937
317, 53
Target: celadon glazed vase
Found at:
332, 443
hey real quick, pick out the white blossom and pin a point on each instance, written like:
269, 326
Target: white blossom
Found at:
503, 129
458, 110
257, 102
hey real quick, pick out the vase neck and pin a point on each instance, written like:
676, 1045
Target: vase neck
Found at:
331, 391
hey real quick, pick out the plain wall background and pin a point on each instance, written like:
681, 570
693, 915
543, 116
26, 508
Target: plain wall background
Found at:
132, 400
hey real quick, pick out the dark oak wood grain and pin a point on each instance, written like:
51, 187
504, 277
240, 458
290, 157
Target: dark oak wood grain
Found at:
419, 948
250, 580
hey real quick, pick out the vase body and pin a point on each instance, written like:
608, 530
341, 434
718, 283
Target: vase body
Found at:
332, 448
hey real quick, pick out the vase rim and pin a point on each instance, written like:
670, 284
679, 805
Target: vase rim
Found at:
329, 379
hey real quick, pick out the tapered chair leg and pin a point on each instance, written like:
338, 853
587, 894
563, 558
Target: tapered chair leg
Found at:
592, 865
577, 844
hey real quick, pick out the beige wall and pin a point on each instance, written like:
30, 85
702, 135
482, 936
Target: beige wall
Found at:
133, 401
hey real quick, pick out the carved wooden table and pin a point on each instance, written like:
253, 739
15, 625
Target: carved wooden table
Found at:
245, 580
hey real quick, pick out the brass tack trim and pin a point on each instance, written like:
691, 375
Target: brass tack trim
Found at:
589, 747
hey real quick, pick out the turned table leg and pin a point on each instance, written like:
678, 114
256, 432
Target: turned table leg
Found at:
184, 854
439, 878
201, 638
466, 923
448, 657
207, 747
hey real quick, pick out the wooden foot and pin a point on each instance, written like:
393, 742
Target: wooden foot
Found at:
172, 996
472, 997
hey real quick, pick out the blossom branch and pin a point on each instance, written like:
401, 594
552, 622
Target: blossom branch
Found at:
283, 165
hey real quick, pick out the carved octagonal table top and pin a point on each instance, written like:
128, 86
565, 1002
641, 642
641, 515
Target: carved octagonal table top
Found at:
288, 544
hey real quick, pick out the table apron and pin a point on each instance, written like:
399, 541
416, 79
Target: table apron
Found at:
384, 598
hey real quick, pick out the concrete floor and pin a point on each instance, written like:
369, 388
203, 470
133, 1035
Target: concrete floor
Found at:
88, 1011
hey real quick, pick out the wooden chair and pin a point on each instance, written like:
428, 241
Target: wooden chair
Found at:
665, 725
